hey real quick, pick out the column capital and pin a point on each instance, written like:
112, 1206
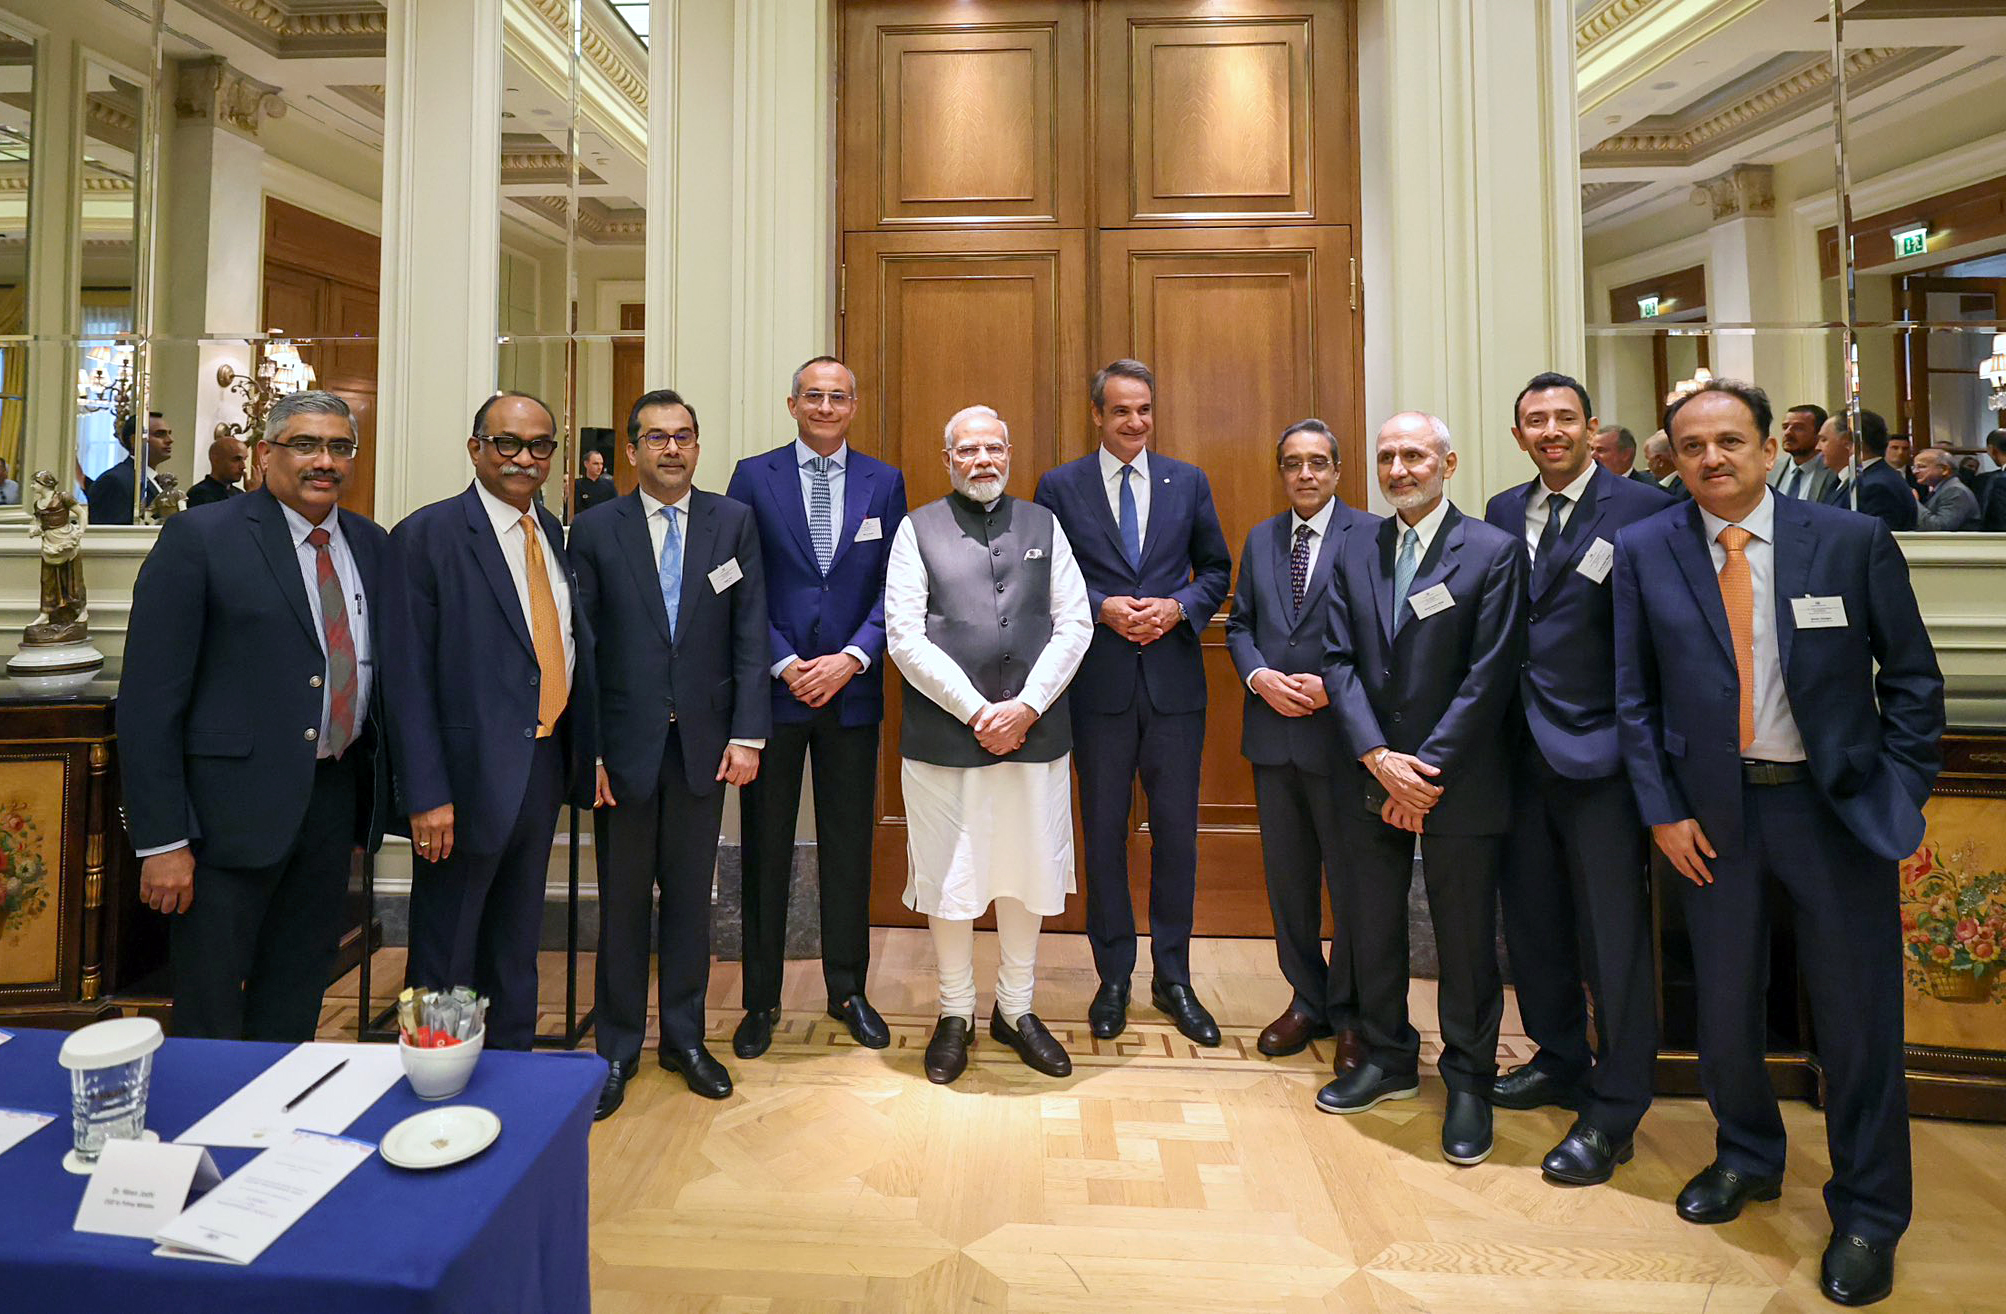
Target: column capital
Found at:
210, 89
1747, 191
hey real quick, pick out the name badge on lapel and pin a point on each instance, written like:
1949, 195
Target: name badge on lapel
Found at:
1819, 613
1034, 554
1597, 560
870, 531
725, 576
1431, 600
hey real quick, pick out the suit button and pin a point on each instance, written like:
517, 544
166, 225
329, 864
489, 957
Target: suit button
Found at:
1292, 643
1537, 614
999, 588
825, 588
530, 733
996, 552
1396, 716
534, 676
1525, 666
311, 734
1006, 657
1386, 674
313, 682
1004, 622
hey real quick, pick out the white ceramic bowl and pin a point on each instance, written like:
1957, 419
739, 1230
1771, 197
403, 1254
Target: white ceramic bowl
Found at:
439, 1074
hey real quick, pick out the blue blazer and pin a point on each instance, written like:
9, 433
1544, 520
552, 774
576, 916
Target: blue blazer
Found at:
1883, 493
110, 494
1441, 686
463, 677
1263, 629
1184, 556
808, 615
711, 680
1568, 687
1870, 736
226, 676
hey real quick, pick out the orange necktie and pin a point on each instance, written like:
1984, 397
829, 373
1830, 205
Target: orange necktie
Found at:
1737, 594
552, 688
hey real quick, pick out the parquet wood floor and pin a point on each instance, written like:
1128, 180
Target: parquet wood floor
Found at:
1164, 1177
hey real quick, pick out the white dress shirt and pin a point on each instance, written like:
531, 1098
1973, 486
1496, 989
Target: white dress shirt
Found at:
1319, 528
1426, 529
938, 676
1111, 481
1540, 505
1776, 735
1797, 480
507, 522
658, 538
345, 571
838, 481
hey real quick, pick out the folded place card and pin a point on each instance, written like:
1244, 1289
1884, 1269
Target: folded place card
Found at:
17, 1125
139, 1186
254, 1207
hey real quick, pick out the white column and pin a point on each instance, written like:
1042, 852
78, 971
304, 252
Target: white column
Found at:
441, 244
1471, 174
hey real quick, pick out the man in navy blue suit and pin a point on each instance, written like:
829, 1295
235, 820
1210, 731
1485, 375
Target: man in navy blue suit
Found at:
111, 492
252, 730
1780, 710
672, 590
1148, 542
1277, 632
826, 516
1426, 636
1574, 884
491, 715
1883, 490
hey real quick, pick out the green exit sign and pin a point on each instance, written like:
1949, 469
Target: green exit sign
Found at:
1647, 307
1911, 241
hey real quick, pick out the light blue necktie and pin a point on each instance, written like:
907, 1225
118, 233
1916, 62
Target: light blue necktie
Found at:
821, 519
672, 569
1404, 567
1130, 523
1791, 478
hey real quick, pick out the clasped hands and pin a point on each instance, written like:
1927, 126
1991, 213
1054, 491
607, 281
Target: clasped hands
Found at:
1290, 695
1405, 778
1140, 620
815, 680
1001, 727
738, 766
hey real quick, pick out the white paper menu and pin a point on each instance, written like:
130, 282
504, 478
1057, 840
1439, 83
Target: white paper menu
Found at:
256, 1204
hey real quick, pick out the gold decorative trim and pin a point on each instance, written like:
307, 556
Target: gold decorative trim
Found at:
87, 989
364, 20
627, 78
94, 882
1746, 190
209, 89
1604, 20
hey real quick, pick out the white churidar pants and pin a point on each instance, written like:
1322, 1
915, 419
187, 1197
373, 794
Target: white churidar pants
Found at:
954, 949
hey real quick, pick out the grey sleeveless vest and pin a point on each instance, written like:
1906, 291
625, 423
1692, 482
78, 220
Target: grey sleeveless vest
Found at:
989, 607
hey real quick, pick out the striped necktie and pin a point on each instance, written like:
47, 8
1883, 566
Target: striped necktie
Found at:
342, 682
670, 570
821, 511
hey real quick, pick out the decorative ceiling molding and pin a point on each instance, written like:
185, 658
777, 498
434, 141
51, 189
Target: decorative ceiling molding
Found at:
1605, 20
292, 29
1666, 142
609, 55
209, 89
1597, 194
597, 223
1745, 191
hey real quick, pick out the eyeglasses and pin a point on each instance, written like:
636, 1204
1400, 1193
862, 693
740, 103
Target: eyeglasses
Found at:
993, 451
341, 449
1316, 464
507, 444
836, 399
655, 440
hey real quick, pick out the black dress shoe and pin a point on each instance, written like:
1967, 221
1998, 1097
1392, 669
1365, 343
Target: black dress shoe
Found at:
1365, 1087
1291, 1033
1039, 1048
1530, 1087
1585, 1156
1184, 1009
704, 1074
1466, 1128
866, 1027
1107, 1016
1856, 1271
947, 1053
1717, 1194
618, 1073
755, 1033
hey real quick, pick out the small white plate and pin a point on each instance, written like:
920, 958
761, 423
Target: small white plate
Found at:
438, 1137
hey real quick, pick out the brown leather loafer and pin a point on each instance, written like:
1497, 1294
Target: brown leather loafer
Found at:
1291, 1033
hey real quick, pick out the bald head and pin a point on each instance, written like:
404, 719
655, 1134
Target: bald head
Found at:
1413, 460
226, 460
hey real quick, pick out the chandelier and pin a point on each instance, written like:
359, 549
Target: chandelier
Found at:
280, 372
1993, 371
1701, 377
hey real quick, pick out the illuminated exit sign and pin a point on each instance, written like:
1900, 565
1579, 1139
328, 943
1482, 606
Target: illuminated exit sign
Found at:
1647, 307
1912, 241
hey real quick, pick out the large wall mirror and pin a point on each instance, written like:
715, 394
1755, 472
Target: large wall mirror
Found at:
1717, 175
17, 151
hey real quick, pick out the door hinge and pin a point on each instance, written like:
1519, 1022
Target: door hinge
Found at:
1354, 282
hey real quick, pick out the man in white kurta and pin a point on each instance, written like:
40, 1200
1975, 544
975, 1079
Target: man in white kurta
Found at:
986, 618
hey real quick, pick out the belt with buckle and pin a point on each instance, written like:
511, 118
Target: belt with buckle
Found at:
1773, 773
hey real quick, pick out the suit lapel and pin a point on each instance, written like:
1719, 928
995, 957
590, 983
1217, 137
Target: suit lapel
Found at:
488, 553
1319, 573
1280, 544
1689, 549
1579, 532
1162, 503
785, 478
1382, 583
1791, 552
637, 549
1094, 489
857, 488
697, 537
275, 541
1437, 564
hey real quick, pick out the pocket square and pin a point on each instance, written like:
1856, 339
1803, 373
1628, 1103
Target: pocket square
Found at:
1033, 554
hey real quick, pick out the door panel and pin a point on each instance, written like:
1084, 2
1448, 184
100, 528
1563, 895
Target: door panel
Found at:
936, 322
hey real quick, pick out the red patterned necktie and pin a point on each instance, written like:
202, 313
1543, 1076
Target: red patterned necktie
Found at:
341, 672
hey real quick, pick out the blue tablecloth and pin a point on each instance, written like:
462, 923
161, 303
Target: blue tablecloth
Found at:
506, 1230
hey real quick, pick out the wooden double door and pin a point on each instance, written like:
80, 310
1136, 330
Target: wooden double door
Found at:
1030, 189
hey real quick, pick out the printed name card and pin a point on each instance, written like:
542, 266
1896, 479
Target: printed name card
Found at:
139, 1186
17, 1125
236, 1221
